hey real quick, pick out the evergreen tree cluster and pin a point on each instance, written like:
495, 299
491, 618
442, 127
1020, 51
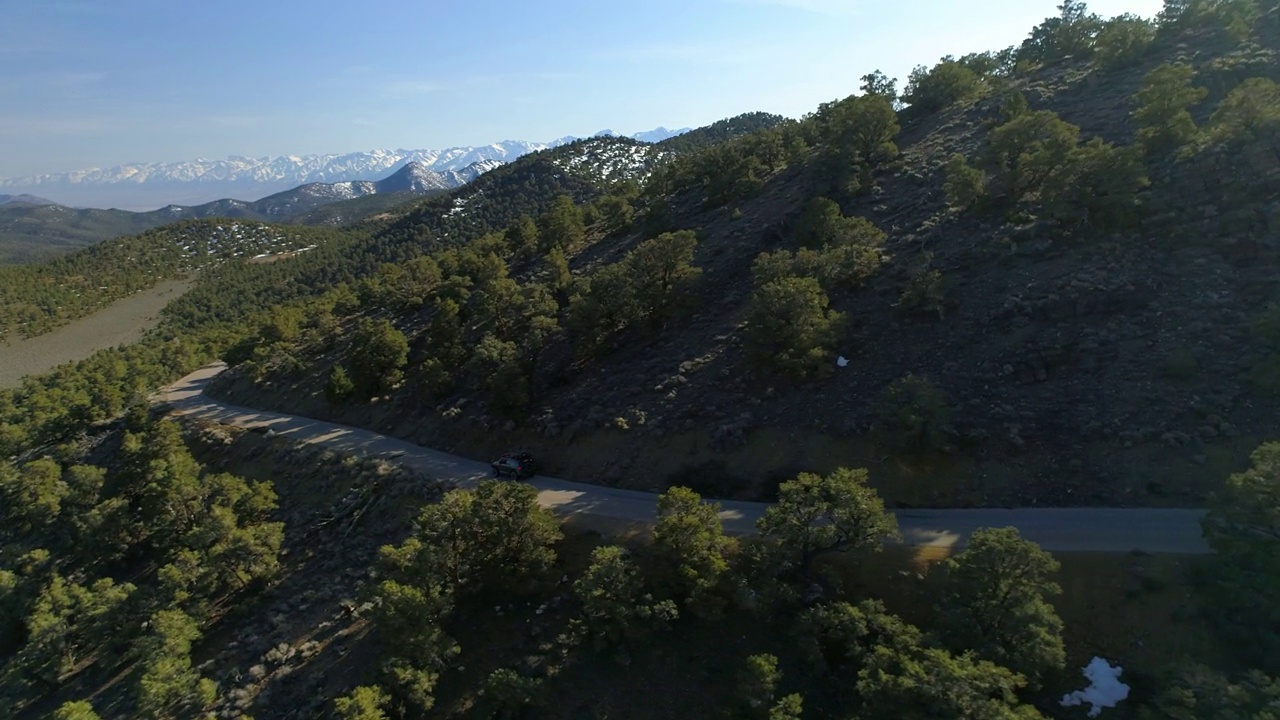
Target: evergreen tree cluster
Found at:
185, 538
37, 298
996, 634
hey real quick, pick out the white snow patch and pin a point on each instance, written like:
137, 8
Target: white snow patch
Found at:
842, 361
1104, 691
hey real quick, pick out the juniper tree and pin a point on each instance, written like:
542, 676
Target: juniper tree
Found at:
995, 603
817, 515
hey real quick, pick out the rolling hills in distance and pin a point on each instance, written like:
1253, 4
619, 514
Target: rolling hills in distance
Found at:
32, 227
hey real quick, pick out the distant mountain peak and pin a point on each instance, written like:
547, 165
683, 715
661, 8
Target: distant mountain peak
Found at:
659, 134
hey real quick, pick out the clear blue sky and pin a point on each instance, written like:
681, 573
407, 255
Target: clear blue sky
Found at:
95, 83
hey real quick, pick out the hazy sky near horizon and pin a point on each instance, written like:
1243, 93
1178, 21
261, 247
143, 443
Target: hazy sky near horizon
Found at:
98, 83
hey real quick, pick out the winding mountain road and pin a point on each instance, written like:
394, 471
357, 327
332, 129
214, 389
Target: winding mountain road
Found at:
1055, 529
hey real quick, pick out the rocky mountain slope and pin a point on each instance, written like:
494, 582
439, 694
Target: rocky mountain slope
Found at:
30, 231
1053, 361
39, 296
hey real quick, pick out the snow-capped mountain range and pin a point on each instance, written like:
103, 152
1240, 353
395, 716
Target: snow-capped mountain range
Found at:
149, 185
412, 178
292, 169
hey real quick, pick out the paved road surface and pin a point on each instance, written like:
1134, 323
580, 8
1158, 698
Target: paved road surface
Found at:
1055, 529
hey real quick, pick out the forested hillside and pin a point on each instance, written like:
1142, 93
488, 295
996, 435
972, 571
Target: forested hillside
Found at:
36, 298
1039, 276
721, 131
351, 212
30, 232
1048, 276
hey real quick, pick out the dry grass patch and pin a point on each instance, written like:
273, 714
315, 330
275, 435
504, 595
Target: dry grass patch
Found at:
120, 323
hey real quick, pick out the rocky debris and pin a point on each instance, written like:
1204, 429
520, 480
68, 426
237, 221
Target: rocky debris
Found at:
733, 433
337, 511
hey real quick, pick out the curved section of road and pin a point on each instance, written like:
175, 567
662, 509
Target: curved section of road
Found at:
1054, 529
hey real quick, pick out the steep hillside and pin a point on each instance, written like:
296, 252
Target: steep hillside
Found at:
1064, 348
29, 233
401, 227
582, 170
721, 131
356, 210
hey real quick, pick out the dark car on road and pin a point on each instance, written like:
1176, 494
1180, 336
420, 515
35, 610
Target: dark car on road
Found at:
517, 465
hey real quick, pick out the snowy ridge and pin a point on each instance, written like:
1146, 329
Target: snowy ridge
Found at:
413, 177
286, 168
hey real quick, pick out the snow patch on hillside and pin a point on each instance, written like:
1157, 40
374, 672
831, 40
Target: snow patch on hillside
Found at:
612, 160
206, 246
1105, 689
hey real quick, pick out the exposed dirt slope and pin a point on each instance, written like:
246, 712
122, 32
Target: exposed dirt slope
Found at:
120, 323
